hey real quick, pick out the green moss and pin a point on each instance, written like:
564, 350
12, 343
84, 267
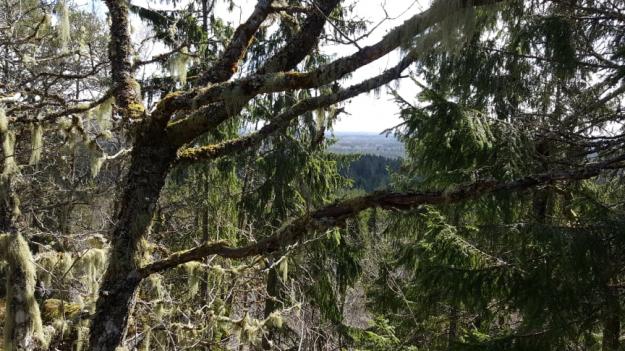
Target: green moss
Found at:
136, 110
54, 309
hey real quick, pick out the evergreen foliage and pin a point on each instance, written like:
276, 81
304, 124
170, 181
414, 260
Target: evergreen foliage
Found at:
189, 200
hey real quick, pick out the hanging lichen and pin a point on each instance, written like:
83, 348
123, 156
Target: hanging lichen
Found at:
284, 269
155, 292
46, 25
88, 269
63, 24
235, 98
4, 121
194, 271
147, 338
177, 65
23, 329
96, 158
320, 119
137, 88
82, 338
36, 143
53, 265
8, 149
106, 135
103, 112
274, 319
8, 145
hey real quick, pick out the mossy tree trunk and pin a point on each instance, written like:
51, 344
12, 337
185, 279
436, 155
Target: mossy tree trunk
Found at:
22, 325
22, 322
151, 160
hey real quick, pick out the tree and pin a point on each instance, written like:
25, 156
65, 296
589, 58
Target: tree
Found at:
182, 127
513, 271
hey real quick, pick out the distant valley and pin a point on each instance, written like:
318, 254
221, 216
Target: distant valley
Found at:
367, 143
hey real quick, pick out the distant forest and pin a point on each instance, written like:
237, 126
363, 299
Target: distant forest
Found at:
368, 172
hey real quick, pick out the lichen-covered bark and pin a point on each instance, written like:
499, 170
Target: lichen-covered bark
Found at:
22, 327
299, 46
120, 50
228, 64
150, 162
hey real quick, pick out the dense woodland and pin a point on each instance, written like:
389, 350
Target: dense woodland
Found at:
367, 172
167, 186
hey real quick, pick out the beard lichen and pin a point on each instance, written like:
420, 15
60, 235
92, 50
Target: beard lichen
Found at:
103, 113
155, 291
8, 149
8, 145
284, 269
63, 24
177, 65
23, 329
194, 273
36, 143
89, 268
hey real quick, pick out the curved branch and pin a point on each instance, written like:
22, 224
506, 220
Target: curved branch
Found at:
284, 119
244, 89
228, 64
335, 214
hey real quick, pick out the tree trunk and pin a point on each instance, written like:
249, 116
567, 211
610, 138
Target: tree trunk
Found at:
271, 303
22, 321
452, 332
22, 325
150, 162
611, 322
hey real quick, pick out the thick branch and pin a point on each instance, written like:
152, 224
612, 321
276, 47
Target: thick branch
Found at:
236, 93
303, 42
284, 119
228, 64
120, 49
335, 214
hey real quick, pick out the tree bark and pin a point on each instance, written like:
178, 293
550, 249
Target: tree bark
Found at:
150, 163
611, 322
271, 303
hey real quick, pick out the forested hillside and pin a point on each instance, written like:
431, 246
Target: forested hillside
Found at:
368, 172
168, 182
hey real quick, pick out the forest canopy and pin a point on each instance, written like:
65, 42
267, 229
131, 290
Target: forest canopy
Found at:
166, 181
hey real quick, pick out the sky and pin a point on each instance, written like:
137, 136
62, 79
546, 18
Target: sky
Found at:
367, 113
370, 113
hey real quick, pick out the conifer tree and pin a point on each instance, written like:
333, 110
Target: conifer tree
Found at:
185, 199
